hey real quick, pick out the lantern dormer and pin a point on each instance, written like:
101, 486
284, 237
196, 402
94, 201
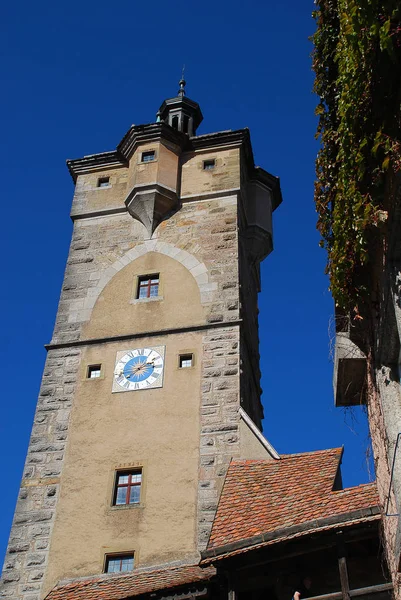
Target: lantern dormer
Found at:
181, 113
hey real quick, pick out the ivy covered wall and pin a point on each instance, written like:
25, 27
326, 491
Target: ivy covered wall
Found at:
357, 64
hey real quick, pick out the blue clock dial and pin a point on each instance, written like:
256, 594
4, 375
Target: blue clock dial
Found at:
138, 369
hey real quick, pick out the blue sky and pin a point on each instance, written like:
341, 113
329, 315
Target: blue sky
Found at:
75, 76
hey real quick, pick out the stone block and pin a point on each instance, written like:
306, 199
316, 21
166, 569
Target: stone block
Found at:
33, 560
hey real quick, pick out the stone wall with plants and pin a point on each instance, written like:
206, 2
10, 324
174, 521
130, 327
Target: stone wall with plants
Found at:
357, 64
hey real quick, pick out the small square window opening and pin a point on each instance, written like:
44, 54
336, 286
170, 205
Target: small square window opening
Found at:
119, 563
208, 165
148, 156
148, 286
94, 371
128, 487
186, 360
103, 182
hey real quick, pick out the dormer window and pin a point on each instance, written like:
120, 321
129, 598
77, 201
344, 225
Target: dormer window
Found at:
103, 182
209, 164
148, 156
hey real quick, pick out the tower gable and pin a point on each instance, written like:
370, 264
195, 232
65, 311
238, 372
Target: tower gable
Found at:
119, 310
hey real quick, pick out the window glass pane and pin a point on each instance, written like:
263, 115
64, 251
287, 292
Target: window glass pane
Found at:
127, 564
208, 164
118, 564
94, 371
185, 361
148, 156
121, 496
128, 488
135, 493
148, 286
113, 565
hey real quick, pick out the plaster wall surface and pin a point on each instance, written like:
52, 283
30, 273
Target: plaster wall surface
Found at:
118, 312
156, 429
251, 446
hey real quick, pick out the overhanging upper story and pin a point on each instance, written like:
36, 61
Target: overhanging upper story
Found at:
156, 168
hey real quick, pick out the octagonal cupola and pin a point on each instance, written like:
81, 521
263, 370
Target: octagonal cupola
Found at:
181, 113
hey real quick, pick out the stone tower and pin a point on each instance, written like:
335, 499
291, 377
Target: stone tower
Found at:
151, 383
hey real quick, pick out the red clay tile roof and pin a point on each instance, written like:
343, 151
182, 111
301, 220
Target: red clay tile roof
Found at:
261, 496
119, 587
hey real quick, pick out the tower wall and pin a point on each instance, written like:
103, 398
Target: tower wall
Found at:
187, 430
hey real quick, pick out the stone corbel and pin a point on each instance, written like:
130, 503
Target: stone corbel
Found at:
151, 204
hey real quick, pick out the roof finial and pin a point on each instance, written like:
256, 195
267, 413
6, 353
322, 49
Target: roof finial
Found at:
181, 91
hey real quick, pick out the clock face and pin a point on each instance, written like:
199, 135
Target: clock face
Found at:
139, 369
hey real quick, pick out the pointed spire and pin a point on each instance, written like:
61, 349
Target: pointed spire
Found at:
182, 84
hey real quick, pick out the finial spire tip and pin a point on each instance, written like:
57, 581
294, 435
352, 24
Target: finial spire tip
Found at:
181, 91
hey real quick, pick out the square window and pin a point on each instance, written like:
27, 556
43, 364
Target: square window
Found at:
94, 371
148, 156
119, 563
127, 487
148, 286
103, 182
186, 360
209, 164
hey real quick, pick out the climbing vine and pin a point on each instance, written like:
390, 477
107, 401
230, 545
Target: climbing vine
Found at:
356, 59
